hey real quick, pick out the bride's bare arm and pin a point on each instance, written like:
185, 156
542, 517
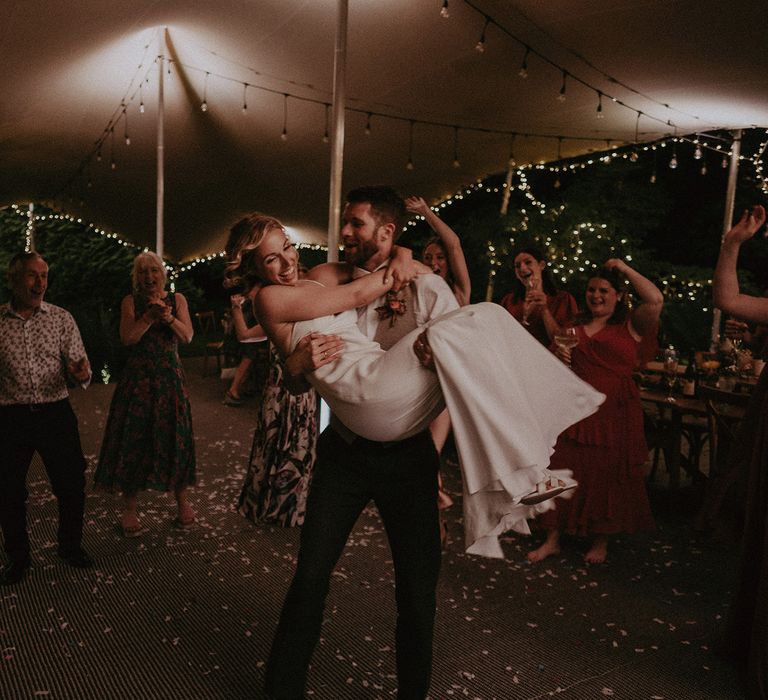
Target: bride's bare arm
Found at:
278, 304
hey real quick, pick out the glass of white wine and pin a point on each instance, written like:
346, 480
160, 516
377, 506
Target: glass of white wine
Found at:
531, 283
670, 361
566, 338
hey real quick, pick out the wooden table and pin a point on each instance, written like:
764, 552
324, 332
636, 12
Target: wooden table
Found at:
679, 408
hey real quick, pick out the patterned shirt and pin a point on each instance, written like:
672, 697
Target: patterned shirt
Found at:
34, 354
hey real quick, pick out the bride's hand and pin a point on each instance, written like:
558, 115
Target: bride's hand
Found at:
401, 269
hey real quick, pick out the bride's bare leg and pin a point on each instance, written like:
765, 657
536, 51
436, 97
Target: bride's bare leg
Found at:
598, 551
550, 547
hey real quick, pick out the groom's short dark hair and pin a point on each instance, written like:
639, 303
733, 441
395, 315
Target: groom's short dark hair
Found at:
386, 204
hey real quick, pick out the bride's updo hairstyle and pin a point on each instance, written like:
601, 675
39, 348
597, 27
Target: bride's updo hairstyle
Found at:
244, 237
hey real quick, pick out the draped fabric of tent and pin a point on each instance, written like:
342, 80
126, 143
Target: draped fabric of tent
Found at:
248, 91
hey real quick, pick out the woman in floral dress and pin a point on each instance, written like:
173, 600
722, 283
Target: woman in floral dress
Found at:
283, 452
148, 441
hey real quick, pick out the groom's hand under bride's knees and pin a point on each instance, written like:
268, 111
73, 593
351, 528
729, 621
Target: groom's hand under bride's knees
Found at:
311, 352
423, 351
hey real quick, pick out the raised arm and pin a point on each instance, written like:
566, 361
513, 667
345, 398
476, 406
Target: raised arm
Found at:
456, 261
726, 282
242, 331
645, 317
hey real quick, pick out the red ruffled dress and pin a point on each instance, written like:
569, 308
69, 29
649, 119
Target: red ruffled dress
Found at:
606, 451
562, 306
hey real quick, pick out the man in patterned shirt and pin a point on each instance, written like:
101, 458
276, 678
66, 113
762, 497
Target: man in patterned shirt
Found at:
40, 346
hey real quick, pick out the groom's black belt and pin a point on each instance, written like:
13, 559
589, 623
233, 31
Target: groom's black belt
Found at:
373, 445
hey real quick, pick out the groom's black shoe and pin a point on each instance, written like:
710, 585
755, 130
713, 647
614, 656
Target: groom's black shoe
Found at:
76, 557
13, 572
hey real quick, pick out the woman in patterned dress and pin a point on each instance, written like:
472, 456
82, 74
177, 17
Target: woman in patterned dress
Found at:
148, 441
282, 455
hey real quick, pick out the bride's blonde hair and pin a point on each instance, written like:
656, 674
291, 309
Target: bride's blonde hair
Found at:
244, 237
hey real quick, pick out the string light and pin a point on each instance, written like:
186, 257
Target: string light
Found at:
141, 98
125, 120
245, 97
600, 114
204, 104
480, 45
284, 135
698, 153
724, 162
523, 72
368, 125
456, 162
112, 164
444, 10
561, 95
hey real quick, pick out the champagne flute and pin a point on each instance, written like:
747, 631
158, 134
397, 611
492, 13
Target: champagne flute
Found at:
566, 338
670, 371
531, 283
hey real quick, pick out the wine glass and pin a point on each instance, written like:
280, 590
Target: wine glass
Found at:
670, 370
566, 338
530, 283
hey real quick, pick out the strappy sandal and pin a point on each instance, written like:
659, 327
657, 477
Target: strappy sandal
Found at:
549, 488
131, 531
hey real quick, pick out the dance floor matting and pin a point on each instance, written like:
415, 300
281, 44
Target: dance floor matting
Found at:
177, 614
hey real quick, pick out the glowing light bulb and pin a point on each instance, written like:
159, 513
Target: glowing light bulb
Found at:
480, 46
325, 138
673, 161
703, 170
127, 140
653, 178
633, 156
204, 106
409, 165
142, 109
698, 153
456, 163
444, 10
284, 135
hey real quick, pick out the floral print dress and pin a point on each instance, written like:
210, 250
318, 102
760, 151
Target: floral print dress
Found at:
283, 453
148, 441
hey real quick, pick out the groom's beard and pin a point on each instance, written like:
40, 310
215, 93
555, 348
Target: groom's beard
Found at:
359, 253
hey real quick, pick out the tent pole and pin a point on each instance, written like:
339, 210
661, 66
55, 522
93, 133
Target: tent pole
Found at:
730, 196
337, 132
31, 228
159, 232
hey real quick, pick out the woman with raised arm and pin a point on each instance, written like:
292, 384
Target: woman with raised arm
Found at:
507, 407
606, 450
444, 255
747, 629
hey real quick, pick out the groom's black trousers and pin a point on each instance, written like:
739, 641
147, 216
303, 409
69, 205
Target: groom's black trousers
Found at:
401, 479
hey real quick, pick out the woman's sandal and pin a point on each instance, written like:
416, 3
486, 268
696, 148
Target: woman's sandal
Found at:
186, 521
549, 488
130, 531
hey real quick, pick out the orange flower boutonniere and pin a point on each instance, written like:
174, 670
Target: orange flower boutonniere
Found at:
393, 307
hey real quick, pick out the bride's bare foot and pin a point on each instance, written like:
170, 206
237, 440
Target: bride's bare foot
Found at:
597, 552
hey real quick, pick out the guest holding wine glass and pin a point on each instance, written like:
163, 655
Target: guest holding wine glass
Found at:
535, 300
606, 450
747, 631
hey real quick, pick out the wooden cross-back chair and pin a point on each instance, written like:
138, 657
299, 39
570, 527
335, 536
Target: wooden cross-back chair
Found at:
725, 411
214, 347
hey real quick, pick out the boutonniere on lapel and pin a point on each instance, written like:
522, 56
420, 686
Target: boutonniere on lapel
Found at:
393, 306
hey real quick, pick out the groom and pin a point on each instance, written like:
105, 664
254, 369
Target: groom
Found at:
350, 471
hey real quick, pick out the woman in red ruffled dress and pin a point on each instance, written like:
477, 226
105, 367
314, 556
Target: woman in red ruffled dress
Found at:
606, 451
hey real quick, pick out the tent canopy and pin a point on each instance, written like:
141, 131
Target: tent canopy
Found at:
77, 73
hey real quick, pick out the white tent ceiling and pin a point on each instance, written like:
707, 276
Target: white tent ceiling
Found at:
67, 66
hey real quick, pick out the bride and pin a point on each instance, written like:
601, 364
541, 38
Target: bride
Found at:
509, 398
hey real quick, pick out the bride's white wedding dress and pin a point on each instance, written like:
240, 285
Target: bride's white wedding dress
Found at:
508, 397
